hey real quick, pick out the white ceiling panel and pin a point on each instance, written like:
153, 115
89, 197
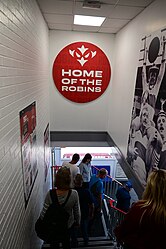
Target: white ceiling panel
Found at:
59, 14
117, 23
54, 18
56, 26
140, 3
54, 6
125, 12
109, 30
85, 28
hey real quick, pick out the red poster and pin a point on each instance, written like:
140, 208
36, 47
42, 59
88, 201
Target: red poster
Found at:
28, 148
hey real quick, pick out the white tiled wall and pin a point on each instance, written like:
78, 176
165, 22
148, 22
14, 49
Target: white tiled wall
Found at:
24, 77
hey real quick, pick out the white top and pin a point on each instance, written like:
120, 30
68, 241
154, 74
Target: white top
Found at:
74, 170
85, 171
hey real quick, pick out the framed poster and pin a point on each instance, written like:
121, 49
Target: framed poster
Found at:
46, 151
28, 148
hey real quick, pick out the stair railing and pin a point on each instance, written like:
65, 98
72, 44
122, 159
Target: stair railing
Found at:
113, 216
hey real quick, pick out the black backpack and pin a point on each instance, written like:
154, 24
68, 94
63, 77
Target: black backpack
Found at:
54, 225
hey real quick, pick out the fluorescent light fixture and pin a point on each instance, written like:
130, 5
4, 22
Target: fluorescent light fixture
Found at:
88, 20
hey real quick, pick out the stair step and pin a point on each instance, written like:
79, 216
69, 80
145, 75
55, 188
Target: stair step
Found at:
95, 238
94, 243
96, 247
87, 247
99, 243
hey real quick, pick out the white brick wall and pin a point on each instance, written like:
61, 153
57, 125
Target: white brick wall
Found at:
24, 77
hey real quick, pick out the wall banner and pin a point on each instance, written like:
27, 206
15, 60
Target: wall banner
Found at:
28, 148
147, 136
81, 72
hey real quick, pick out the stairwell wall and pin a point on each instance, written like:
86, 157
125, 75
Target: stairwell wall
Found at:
128, 42
24, 76
70, 116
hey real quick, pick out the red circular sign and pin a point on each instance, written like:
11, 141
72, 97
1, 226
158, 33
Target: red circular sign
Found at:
81, 72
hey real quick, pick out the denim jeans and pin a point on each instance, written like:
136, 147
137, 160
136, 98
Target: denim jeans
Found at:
84, 229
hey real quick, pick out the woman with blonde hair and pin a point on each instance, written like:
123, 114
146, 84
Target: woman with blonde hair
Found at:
144, 226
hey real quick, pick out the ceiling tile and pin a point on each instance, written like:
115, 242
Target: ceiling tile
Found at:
54, 18
60, 26
125, 12
140, 3
109, 30
55, 6
59, 14
85, 28
114, 22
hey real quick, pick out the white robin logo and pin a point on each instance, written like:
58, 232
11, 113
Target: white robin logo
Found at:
82, 54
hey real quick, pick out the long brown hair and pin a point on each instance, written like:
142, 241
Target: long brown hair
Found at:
154, 195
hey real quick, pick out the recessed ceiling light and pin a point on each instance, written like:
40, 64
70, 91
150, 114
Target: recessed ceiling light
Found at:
88, 20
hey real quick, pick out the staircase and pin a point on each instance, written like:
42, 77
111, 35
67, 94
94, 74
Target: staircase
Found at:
97, 242
98, 239
102, 235
94, 243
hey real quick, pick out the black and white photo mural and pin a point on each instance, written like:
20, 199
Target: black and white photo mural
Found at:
147, 136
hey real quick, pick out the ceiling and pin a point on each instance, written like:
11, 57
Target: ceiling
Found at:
59, 14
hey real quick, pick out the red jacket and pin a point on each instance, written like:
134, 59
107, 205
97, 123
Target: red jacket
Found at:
141, 234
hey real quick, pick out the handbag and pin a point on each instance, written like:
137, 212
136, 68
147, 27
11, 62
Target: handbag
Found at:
40, 229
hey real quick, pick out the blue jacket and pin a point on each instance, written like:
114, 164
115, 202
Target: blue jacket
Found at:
123, 199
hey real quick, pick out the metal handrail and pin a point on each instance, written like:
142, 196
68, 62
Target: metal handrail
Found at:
110, 184
114, 215
109, 176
